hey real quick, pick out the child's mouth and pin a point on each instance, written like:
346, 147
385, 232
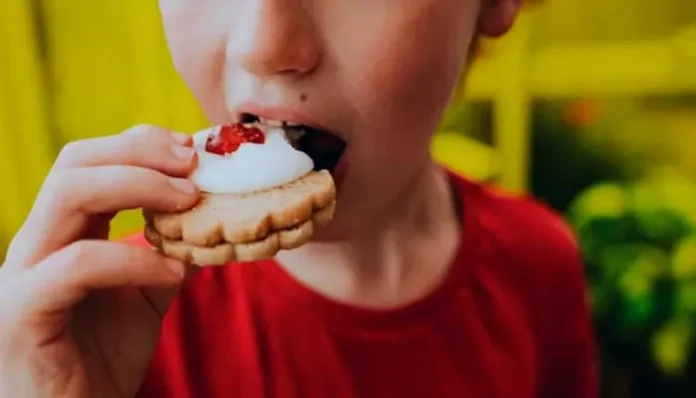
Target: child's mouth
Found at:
323, 147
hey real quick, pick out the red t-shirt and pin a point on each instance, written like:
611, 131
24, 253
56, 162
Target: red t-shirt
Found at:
509, 321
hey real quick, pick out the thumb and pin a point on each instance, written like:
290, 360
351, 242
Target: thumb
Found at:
67, 276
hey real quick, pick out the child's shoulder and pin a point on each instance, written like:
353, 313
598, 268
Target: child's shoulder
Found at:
530, 261
514, 214
524, 235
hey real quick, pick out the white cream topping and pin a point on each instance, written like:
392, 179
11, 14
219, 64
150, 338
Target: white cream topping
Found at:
252, 167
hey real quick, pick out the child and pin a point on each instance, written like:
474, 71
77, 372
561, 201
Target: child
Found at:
424, 285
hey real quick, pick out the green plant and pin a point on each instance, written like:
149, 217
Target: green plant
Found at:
639, 244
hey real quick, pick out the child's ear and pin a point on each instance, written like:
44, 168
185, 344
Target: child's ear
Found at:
498, 16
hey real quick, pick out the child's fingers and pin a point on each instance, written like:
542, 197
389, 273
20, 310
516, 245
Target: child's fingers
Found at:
107, 189
65, 277
160, 297
142, 146
69, 199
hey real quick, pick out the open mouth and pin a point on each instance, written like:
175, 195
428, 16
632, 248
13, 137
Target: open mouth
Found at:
323, 147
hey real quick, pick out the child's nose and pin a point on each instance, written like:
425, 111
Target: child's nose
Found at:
275, 38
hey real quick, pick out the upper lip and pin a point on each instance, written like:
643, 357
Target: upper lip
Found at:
284, 114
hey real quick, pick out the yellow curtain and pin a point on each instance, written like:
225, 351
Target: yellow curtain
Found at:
26, 148
111, 57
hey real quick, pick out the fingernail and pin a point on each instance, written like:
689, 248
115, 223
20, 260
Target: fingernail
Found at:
183, 152
181, 138
177, 267
183, 185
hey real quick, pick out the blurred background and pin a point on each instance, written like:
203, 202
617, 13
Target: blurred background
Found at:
588, 104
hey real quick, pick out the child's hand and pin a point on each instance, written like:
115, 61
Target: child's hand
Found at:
80, 316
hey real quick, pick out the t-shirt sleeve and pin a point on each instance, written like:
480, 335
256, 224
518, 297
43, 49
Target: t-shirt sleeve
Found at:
569, 368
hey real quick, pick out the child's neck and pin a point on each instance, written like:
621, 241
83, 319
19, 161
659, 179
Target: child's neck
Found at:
404, 259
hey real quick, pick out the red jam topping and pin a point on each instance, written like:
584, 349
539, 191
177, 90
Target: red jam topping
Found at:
229, 138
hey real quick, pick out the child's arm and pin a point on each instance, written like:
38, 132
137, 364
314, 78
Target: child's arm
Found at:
569, 368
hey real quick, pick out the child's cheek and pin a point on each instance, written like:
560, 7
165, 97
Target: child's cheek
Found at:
196, 42
408, 67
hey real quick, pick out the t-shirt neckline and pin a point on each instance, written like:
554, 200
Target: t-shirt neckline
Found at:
347, 316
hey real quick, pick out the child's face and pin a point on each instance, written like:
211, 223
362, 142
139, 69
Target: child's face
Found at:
376, 72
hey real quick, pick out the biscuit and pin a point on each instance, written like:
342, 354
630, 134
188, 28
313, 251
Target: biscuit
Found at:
245, 227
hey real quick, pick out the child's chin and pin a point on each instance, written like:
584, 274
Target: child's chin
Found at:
346, 225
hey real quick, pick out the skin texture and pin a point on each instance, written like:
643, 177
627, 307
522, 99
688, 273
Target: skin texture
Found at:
80, 316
